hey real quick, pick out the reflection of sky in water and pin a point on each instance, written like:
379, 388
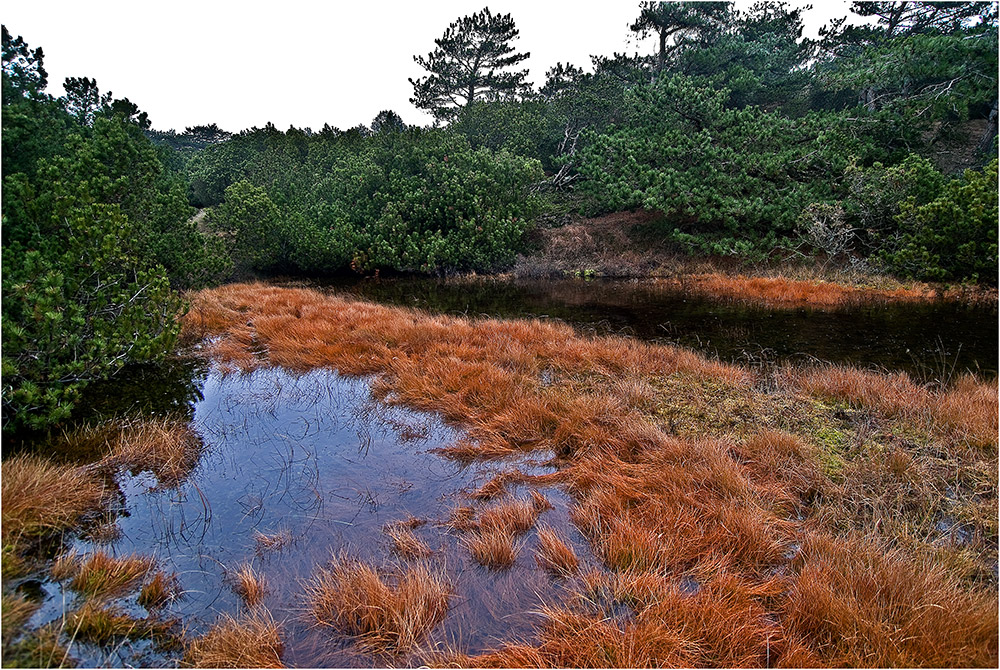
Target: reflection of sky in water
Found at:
313, 455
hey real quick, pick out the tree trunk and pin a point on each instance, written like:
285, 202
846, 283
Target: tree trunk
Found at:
986, 143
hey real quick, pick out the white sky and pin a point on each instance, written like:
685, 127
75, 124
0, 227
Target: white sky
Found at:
298, 62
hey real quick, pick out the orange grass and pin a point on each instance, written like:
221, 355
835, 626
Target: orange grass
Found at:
383, 615
405, 543
514, 517
968, 407
248, 584
250, 641
103, 575
863, 605
166, 447
493, 548
733, 514
555, 555
41, 498
782, 292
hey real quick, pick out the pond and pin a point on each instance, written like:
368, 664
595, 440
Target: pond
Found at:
314, 459
926, 340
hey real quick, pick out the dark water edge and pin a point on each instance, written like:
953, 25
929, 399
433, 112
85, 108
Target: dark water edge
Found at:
932, 341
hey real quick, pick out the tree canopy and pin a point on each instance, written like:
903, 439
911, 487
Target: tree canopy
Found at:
472, 62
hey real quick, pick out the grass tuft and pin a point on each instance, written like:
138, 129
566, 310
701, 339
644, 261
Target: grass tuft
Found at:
554, 555
405, 543
383, 615
102, 575
248, 584
251, 641
41, 498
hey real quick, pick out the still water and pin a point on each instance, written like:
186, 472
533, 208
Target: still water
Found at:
314, 457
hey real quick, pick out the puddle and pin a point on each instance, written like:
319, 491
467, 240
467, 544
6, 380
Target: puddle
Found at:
313, 457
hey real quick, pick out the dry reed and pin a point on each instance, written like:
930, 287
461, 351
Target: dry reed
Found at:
383, 615
251, 641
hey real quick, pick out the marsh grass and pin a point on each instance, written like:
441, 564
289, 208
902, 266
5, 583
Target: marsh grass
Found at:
494, 548
41, 498
103, 625
405, 543
707, 489
383, 614
169, 448
554, 555
252, 640
102, 575
40, 648
248, 584
15, 610
161, 589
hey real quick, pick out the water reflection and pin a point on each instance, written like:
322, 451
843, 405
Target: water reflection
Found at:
927, 340
314, 459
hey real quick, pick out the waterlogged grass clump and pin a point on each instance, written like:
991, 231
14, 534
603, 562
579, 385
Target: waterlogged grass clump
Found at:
382, 612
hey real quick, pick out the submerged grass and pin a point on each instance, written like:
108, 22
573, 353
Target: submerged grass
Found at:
726, 502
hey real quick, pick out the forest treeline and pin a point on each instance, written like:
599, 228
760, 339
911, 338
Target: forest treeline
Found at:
874, 146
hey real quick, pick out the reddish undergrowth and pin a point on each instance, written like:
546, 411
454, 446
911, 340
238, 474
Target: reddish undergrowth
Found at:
729, 547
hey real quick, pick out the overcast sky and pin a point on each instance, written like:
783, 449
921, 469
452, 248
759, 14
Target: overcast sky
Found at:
242, 64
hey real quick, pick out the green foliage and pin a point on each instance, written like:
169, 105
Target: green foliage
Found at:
93, 223
77, 304
732, 181
250, 218
875, 194
954, 236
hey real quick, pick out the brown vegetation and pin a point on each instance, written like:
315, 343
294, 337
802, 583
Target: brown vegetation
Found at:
405, 543
555, 555
383, 615
250, 641
168, 448
493, 548
727, 502
248, 584
41, 498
